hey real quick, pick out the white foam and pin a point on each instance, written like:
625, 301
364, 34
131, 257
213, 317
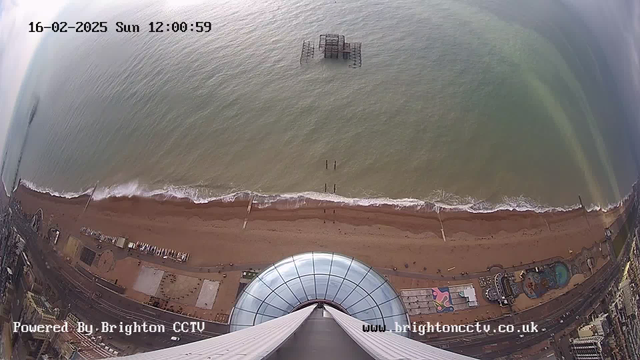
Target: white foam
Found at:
46, 190
134, 188
437, 201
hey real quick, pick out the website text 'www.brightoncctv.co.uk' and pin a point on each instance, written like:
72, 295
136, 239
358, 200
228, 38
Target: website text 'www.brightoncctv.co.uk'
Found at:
428, 327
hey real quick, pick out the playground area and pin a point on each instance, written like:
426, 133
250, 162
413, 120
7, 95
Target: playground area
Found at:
553, 276
182, 289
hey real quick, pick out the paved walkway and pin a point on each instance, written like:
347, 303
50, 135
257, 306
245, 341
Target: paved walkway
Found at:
120, 254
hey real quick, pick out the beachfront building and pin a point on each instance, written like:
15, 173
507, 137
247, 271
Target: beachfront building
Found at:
37, 311
313, 306
625, 311
426, 301
588, 348
597, 327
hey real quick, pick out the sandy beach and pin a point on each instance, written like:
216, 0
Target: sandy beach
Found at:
384, 237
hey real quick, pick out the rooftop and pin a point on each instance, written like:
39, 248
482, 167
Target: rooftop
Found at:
340, 281
41, 304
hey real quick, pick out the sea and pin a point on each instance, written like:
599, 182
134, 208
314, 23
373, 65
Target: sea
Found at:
478, 105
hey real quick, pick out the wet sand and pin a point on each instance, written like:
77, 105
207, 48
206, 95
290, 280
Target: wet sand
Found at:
382, 236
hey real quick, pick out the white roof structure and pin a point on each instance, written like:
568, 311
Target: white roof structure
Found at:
386, 345
470, 294
341, 281
252, 343
272, 340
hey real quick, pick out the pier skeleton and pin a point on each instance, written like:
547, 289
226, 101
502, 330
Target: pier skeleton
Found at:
333, 46
307, 51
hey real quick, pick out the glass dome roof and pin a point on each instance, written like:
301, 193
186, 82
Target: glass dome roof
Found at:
341, 281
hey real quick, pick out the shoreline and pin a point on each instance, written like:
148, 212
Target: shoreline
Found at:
316, 199
309, 209
381, 236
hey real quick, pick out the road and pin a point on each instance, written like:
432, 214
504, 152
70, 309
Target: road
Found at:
555, 316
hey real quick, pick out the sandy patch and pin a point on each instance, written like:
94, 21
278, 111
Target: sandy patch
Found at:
148, 280
208, 294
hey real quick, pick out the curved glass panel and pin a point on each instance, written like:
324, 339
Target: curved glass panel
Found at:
343, 281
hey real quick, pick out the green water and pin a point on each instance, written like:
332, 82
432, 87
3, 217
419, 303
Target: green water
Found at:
498, 102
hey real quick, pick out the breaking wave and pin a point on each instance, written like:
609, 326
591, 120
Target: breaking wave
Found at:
438, 200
